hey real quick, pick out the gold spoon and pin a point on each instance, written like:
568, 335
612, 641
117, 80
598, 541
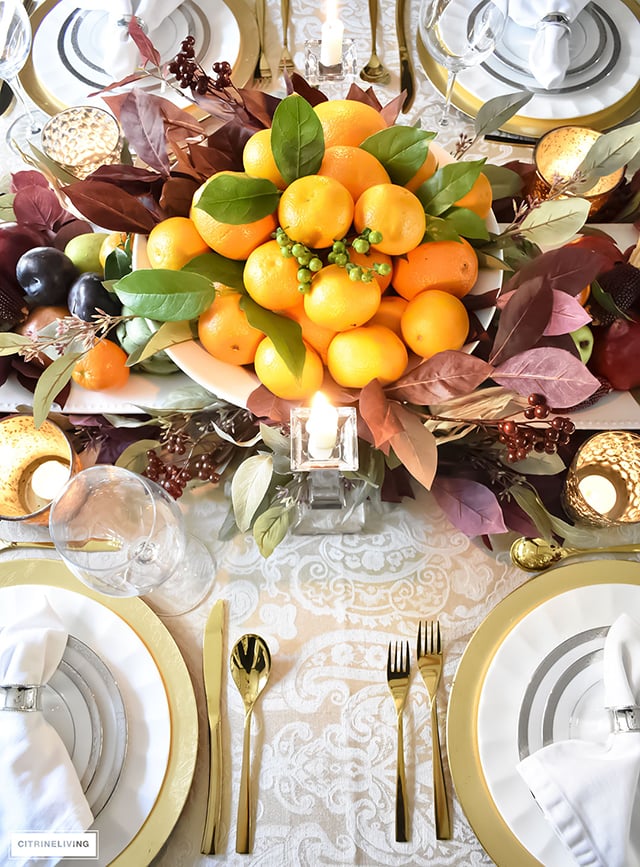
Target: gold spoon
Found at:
250, 668
374, 70
533, 555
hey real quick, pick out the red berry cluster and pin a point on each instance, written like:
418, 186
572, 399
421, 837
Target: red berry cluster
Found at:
189, 73
173, 475
521, 438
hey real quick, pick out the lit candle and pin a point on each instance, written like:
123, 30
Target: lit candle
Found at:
48, 479
322, 428
598, 492
332, 34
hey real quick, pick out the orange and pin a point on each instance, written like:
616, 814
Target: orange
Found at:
347, 121
389, 313
103, 366
272, 371
224, 329
337, 302
451, 266
356, 169
315, 210
370, 352
174, 242
110, 243
258, 161
317, 336
423, 174
479, 198
368, 260
228, 239
396, 213
270, 278
434, 321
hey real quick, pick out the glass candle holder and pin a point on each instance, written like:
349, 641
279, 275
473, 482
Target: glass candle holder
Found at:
310, 448
36, 464
602, 487
316, 71
82, 138
559, 153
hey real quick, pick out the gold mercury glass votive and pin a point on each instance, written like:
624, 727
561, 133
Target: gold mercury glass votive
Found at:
559, 153
602, 487
36, 464
82, 139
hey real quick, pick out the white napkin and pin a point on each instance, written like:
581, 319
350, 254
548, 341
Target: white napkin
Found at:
39, 790
549, 50
120, 55
587, 790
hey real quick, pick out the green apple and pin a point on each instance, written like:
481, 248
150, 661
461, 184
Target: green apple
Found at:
84, 251
583, 339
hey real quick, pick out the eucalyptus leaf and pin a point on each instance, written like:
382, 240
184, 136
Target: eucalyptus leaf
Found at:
272, 526
164, 295
218, 269
540, 464
50, 382
401, 149
169, 334
497, 111
448, 184
285, 334
610, 152
52, 166
605, 300
236, 198
467, 223
134, 457
6, 208
504, 182
297, 140
275, 440
249, 485
548, 524
11, 344
555, 222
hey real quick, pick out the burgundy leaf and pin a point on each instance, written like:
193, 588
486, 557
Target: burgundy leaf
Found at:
443, 376
110, 207
219, 111
177, 194
28, 372
133, 179
559, 341
143, 124
481, 302
71, 230
147, 49
416, 447
523, 320
368, 96
38, 207
554, 373
470, 506
177, 144
302, 87
569, 269
264, 404
260, 106
20, 180
567, 314
178, 117
206, 161
128, 79
396, 485
378, 413
517, 519
392, 109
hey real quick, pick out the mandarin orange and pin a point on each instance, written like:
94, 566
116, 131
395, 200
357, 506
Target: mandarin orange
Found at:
451, 266
434, 321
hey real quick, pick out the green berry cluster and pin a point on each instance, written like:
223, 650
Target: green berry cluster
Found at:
306, 258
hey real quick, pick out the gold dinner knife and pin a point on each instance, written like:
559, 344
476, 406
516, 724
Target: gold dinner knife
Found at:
212, 668
406, 72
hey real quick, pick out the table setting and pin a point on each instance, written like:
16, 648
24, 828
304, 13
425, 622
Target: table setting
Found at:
321, 615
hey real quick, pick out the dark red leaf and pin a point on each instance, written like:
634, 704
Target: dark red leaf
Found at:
20, 180
523, 320
130, 178
569, 269
443, 376
38, 207
554, 373
110, 207
368, 96
378, 413
178, 117
481, 302
260, 106
264, 404
177, 194
559, 341
206, 161
392, 109
415, 446
517, 519
470, 506
147, 49
71, 230
567, 314
302, 87
143, 124
128, 79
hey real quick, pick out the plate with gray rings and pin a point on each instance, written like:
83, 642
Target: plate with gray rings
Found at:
83, 703
565, 696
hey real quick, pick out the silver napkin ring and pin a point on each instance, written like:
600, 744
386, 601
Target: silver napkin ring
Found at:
558, 18
20, 698
625, 719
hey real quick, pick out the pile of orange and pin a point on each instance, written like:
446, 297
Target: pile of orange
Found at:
357, 330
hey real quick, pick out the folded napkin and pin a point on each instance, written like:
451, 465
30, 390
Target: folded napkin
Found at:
40, 790
120, 55
549, 50
587, 790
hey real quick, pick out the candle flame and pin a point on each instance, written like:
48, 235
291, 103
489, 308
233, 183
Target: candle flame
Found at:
331, 13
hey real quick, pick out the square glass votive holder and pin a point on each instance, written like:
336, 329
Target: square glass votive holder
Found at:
344, 455
316, 72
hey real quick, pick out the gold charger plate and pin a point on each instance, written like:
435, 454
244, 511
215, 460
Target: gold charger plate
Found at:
180, 696
472, 787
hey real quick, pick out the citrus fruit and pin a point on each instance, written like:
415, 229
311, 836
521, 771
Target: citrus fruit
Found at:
357, 356
434, 321
84, 251
389, 313
109, 244
423, 174
315, 210
272, 371
270, 278
368, 260
174, 242
317, 336
355, 168
258, 161
224, 329
335, 301
451, 266
228, 239
396, 213
103, 366
479, 198
347, 121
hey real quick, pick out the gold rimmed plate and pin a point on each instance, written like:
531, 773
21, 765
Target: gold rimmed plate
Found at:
499, 686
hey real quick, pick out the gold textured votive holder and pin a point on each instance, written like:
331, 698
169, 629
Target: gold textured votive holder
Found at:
559, 153
602, 487
36, 464
83, 138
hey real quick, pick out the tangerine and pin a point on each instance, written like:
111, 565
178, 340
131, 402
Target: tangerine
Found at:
396, 213
174, 242
224, 329
348, 121
451, 266
389, 313
368, 260
103, 366
479, 198
273, 372
113, 241
369, 352
258, 161
315, 210
337, 302
355, 168
423, 174
270, 278
434, 321
317, 336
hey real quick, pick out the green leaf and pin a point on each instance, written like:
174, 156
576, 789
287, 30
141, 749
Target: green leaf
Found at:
504, 182
218, 269
237, 198
439, 229
497, 111
250, 484
467, 223
401, 149
6, 208
555, 222
610, 152
55, 168
605, 300
117, 264
285, 333
297, 140
169, 334
271, 527
168, 296
275, 440
134, 457
448, 184
11, 344
51, 381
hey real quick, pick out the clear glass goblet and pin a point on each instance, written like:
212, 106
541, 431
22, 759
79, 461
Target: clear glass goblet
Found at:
123, 535
460, 34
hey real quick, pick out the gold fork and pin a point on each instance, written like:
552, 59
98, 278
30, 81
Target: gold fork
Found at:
262, 73
398, 671
429, 653
286, 61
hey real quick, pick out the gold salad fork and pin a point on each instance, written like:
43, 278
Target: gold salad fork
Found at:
286, 61
262, 73
398, 671
429, 653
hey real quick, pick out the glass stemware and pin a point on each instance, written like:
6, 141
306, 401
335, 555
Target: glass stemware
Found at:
460, 34
123, 535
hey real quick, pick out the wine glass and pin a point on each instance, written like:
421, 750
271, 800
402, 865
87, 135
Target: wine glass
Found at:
460, 34
15, 45
123, 535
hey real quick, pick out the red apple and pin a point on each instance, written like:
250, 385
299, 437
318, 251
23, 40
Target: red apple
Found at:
616, 353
